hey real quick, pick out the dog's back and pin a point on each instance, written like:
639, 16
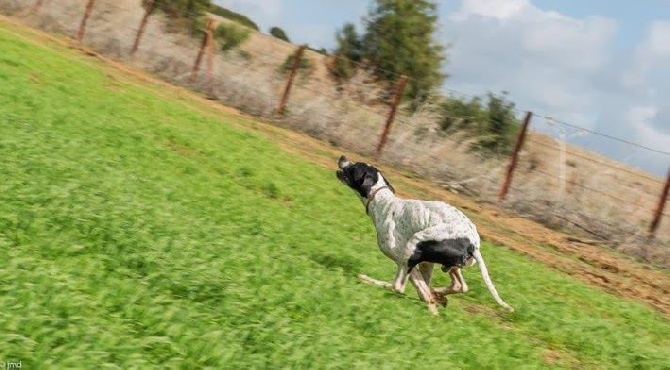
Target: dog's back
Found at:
416, 215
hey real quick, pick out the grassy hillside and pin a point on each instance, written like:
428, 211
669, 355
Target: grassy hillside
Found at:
137, 230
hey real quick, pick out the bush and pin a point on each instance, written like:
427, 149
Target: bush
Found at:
493, 124
279, 33
233, 16
230, 36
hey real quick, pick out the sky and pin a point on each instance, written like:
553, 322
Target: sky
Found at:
603, 65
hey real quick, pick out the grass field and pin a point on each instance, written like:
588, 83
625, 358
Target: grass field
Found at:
139, 230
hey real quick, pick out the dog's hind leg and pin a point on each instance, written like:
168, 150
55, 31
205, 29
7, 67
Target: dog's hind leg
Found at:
459, 275
457, 283
426, 269
424, 291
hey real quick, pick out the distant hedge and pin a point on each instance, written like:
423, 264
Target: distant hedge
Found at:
237, 17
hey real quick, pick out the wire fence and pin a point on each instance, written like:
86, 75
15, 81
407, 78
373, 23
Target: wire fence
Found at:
558, 184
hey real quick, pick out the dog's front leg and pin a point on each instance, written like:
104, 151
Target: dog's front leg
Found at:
399, 282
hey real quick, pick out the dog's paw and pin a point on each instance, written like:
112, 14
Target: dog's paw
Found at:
441, 299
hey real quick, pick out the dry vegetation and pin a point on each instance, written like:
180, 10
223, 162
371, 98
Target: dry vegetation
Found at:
350, 117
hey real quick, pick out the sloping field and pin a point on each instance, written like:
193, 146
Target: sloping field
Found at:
141, 227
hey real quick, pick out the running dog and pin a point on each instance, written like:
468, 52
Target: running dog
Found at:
416, 233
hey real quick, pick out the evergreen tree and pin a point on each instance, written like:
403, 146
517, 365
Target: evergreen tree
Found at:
399, 39
348, 53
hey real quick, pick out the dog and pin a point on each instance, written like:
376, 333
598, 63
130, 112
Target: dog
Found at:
416, 235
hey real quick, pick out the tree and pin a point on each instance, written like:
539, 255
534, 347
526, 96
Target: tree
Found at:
279, 33
348, 54
399, 39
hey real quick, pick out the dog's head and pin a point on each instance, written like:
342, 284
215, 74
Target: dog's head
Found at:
360, 176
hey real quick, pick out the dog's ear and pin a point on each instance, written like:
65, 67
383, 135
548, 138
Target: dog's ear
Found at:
343, 162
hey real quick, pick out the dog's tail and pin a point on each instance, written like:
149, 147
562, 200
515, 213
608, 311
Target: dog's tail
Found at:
487, 280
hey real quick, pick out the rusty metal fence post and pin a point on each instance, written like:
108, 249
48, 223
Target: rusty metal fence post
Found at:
149, 9
515, 156
281, 108
37, 6
658, 213
82, 25
397, 95
209, 55
206, 41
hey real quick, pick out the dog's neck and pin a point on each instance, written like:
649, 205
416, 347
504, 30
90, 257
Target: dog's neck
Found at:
379, 194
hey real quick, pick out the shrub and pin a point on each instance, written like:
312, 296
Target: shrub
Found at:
493, 123
230, 36
233, 16
279, 33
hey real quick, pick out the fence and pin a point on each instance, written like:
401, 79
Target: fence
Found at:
544, 178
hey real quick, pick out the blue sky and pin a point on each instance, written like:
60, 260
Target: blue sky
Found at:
598, 64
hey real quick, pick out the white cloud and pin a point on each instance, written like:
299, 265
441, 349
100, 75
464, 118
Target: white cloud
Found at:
491, 8
659, 38
565, 67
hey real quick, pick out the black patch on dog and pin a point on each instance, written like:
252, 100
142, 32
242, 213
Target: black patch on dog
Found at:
449, 252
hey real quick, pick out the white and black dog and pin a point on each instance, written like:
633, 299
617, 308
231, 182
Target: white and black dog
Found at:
415, 233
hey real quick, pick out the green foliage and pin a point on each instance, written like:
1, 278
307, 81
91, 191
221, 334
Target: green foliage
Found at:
230, 36
305, 65
493, 122
131, 239
348, 54
229, 14
182, 8
400, 39
184, 15
279, 33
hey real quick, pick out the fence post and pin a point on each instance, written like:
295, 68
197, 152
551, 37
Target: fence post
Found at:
206, 40
37, 6
659, 208
281, 108
149, 9
209, 62
515, 156
397, 95
82, 26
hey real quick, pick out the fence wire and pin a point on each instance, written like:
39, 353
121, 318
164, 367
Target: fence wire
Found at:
554, 180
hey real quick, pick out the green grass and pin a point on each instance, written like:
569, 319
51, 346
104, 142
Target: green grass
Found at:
136, 231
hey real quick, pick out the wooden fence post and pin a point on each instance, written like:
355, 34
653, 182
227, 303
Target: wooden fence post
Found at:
515, 156
37, 6
82, 26
206, 41
149, 9
658, 214
397, 95
281, 108
209, 62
